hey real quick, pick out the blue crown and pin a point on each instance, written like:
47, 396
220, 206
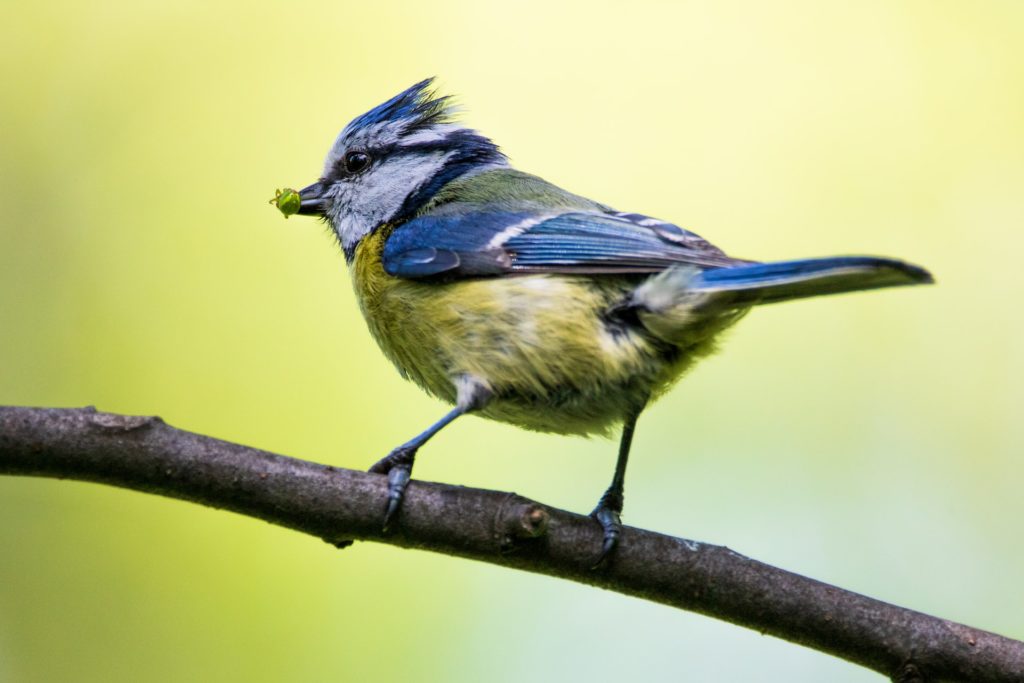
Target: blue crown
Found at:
417, 106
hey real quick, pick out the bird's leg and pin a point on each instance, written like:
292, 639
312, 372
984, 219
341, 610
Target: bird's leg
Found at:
398, 463
472, 395
609, 507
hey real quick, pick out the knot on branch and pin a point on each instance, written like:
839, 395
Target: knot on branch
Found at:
517, 519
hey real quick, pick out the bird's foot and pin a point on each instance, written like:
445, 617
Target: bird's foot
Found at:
398, 466
607, 513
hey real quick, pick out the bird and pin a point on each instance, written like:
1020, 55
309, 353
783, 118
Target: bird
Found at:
510, 298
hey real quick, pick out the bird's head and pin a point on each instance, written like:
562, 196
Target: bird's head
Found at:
390, 161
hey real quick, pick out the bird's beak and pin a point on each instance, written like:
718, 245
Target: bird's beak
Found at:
312, 201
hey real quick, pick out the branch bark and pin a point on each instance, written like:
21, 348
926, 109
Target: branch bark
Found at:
145, 454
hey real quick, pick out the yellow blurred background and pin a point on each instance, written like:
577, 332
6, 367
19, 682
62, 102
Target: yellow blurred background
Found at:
874, 440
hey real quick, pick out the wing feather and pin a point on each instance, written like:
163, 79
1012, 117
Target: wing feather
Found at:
477, 244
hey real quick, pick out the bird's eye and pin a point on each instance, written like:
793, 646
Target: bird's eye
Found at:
356, 162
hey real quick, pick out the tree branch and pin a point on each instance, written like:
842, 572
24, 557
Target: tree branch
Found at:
145, 454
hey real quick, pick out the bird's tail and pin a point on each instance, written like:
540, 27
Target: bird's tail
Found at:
684, 305
767, 283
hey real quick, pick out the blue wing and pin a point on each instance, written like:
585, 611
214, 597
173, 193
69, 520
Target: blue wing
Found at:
571, 242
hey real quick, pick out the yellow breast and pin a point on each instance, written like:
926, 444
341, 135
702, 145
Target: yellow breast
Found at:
541, 343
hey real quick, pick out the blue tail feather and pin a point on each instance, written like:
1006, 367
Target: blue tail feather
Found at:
784, 280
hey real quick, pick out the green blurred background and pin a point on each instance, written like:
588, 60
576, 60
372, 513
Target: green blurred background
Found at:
874, 440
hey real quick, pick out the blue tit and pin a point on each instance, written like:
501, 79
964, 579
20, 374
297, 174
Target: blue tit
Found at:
513, 299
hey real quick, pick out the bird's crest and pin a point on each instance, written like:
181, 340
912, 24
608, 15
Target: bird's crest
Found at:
416, 107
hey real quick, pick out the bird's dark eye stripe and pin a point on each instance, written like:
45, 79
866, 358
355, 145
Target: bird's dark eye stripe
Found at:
345, 166
422, 147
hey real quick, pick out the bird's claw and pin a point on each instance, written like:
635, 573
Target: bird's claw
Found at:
398, 480
398, 466
607, 515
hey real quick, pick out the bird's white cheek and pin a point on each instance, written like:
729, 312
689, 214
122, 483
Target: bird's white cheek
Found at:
384, 189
